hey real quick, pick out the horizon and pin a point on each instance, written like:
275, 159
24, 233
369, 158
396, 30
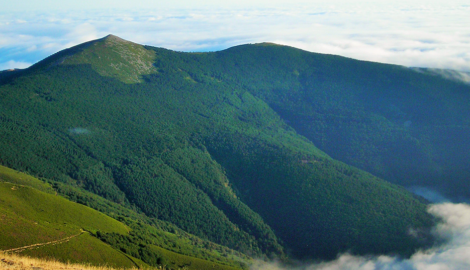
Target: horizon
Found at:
419, 34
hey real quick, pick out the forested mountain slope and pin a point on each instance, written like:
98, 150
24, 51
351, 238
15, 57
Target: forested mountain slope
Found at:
224, 144
408, 126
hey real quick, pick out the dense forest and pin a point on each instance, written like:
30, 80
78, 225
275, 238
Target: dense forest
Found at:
269, 150
408, 126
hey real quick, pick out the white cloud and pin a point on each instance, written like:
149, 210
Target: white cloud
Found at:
452, 74
81, 33
13, 64
412, 33
453, 255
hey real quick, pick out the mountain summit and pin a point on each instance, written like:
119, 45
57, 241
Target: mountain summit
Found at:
110, 56
269, 150
117, 58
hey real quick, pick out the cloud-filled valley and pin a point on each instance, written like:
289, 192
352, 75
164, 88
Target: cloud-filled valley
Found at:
424, 34
453, 230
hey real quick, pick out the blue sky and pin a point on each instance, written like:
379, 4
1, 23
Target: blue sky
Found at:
412, 33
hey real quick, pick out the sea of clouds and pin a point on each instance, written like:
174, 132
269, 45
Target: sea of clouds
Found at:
412, 33
453, 254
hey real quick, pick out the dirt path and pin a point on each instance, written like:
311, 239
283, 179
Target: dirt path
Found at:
60, 241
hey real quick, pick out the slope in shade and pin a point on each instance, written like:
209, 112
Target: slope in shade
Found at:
407, 126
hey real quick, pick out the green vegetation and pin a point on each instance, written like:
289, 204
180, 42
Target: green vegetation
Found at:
42, 207
181, 261
407, 126
31, 217
15, 177
115, 57
221, 147
86, 249
5, 74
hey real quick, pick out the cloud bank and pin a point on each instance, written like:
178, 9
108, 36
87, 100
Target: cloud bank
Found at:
431, 34
454, 229
452, 75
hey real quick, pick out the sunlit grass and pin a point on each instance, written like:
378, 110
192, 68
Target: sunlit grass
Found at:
16, 262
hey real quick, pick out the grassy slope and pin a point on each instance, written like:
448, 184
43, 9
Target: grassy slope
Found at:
16, 177
129, 61
181, 261
86, 249
25, 201
31, 217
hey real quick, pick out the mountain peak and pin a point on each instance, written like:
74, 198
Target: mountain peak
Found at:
267, 44
113, 38
115, 57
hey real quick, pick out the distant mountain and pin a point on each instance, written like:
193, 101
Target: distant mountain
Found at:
265, 149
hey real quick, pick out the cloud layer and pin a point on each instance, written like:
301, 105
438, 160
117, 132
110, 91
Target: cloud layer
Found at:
426, 34
454, 229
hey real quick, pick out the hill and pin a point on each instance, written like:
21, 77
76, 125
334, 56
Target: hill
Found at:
46, 225
34, 222
243, 147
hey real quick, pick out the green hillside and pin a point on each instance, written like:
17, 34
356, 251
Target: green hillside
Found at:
407, 126
5, 74
30, 217
223, 145
46, 225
